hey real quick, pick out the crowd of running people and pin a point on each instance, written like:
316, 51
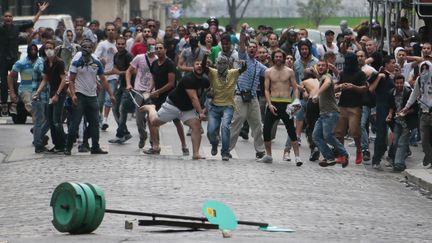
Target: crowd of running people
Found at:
347, 86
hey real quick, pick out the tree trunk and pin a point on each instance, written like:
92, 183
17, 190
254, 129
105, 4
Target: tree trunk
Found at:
232, 10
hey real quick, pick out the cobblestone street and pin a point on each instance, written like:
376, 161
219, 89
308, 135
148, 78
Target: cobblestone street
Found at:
354, 204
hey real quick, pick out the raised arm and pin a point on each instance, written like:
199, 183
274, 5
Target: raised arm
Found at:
42, 7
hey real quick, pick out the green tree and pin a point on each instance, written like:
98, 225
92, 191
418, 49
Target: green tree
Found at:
318, 10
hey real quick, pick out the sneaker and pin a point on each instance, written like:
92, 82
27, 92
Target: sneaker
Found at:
56, 150
152, 151
298, 161
40, 150
214, 149
117, 140
98, 151
366, 155
376, 166
104, 126
314, 156
343, 160
185, 151
244, 135
127, 137
359, 157
352, 144
259, 155
286, 156
426, 162
230, 155
266, 159
142, 141
4, 110
83, 148
325, 163
225, 157
399, 169
67, 152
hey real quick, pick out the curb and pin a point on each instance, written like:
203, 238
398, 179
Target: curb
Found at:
420, 177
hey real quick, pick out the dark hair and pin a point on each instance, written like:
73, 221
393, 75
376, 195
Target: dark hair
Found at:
203, 36
120, 38
109, 23
278, 51
226, 37
328, 54
387, 59
399, 76
351, 64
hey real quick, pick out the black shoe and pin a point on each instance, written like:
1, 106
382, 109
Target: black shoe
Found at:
398, 169
104, 126
39, 150
314, 156
259, 155
127, 137
56, 150
426, 162
244, 135
98, 151
214, 150
141, 143
84, 148
230, 155
366, 155
67, 152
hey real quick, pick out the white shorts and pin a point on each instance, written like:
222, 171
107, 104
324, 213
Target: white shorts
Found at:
170, 112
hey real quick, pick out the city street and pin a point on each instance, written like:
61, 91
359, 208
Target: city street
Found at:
355, 204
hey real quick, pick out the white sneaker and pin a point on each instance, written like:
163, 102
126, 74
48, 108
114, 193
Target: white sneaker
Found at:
286, 156
266, 159
352, 144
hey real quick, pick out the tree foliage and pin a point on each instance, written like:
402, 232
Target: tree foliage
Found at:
318, 10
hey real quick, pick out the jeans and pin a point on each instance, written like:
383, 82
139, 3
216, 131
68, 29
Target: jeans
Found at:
220, 116
41, 125
323, 134
380, 145
400, 143
141, 120
426, 136
87, 106
123, 106
364, 126
55, 118
113, 86
5, 66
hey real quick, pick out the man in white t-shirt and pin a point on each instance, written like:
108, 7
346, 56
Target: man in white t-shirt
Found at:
141, 65
105, 51
329, 45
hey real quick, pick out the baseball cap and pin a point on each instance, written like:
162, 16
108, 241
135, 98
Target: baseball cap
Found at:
329, 32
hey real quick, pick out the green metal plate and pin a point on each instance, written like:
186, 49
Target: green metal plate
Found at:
69, 205
100, 207
90, 210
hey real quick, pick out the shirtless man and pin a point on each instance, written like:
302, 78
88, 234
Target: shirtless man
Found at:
310, 86
279, 80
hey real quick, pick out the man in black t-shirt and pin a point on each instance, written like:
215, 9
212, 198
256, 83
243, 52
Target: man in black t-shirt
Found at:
352, 83
9, 33
124, 103
163, 71
183, 104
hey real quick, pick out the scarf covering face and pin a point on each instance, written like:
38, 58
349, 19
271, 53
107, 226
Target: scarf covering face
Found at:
425, 74
66, 43
222, 66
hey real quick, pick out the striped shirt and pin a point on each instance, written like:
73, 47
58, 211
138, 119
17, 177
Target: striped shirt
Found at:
250, 79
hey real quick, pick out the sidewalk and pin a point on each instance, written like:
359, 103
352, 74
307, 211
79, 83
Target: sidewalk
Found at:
420, 177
